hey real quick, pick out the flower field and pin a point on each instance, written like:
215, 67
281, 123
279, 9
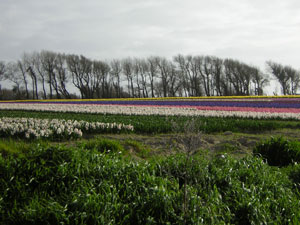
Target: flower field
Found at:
45, 128
153, 115
256, 108
202, 166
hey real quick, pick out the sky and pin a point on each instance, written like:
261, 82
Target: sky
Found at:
252, 31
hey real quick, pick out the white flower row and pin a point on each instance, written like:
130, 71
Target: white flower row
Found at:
36, 128
144, 110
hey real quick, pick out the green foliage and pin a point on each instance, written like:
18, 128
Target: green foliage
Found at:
55, 185
245, 191
102, 145
13, 147
279, 151
138, 148
227, 148
293, 171
155, 124
82, 185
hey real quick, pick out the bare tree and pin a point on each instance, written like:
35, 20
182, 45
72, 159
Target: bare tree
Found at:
49, 63
62, 75
22, 69
2, 71
174, 81
99, 79
136, 74
278, 71
141, 68
37, 68
294, 76
13, 74
201, 72
128, 70
184, 74
206, 70
116, 70
144, 71
29, 63
245, 76
259, 80
239, 75
232, 76
216, 69
287, 76
152, 73
165, 69
80, 68
154, 76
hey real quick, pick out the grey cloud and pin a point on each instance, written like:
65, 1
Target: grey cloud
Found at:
251, 30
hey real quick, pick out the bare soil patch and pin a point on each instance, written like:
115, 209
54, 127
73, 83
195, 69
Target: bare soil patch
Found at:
239, 144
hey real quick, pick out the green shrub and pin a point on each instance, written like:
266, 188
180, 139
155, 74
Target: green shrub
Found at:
279, 151
293, 172
236, 191
13, 147
55, 185
68, 185
102, 145
140, 149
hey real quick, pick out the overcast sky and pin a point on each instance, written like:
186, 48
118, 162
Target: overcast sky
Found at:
252, 31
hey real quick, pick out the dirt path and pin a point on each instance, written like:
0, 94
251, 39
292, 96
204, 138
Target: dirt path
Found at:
233, 143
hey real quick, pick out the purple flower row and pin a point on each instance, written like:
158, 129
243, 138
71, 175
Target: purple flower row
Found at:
255, 104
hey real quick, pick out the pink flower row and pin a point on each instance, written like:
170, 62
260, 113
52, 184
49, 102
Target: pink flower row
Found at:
250, 109
222, 108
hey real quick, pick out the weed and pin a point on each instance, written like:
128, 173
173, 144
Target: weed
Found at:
102, 145
139, 149
279, 151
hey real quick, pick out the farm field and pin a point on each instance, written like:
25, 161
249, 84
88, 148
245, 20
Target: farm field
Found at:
155, 161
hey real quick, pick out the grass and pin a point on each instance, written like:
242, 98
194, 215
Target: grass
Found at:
139, 149
101, 145
13, 147
91, 182
279, 151
109, 181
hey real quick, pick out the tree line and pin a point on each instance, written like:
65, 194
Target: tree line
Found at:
49, 75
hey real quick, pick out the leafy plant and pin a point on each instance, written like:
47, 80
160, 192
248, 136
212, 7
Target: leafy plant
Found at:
13, 147
57, 184
102, 145
154, 124
279, 151
140, 149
